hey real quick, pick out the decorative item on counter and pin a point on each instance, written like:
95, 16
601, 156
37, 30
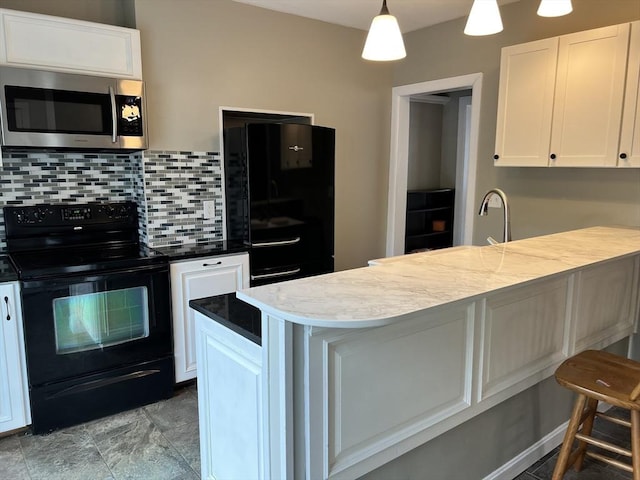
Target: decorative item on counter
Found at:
438, 225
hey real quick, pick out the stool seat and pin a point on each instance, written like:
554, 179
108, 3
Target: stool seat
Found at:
598, 376
601, 375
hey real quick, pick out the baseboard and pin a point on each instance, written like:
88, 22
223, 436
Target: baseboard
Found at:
531, 455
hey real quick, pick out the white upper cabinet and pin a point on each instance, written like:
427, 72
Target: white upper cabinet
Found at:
589, 94
525, 103
560, 100
45, 42
629, 155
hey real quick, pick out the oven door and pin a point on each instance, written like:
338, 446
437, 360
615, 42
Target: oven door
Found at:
80, 325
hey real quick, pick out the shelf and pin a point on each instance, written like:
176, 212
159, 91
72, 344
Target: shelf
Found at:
429, 219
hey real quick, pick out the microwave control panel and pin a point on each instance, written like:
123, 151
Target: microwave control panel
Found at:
129, 116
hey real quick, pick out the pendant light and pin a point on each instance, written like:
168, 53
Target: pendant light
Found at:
384, 41
484, 18
554, 8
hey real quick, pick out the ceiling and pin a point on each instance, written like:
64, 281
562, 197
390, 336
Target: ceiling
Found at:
411, 14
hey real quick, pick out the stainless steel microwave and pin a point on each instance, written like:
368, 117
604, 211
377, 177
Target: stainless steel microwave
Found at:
63, 111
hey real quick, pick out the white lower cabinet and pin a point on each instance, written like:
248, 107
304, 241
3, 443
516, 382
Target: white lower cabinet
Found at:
230, 403
200, 278
14, 393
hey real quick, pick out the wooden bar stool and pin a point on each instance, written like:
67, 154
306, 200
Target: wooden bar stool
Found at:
598, 376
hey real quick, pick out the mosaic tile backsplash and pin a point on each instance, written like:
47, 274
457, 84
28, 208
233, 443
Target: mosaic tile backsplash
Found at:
176, 185
169, 188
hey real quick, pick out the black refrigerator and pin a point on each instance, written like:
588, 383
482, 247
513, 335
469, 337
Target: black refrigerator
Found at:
279, 187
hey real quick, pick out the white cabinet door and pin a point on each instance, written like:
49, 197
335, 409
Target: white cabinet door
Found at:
232, 440
32, 40
14, 395
525, 103
561, 101
629, 153
204, 277
588, 97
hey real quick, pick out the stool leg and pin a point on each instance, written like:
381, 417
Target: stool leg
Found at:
587, 426
635, 443
567, 443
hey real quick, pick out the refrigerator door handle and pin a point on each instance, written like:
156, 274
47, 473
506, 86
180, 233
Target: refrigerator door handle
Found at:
275, 275
280, 243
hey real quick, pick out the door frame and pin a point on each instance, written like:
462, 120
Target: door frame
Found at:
399, 157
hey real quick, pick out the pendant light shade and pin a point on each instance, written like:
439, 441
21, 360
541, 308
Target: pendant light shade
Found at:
484, 18
554, 8
384, 41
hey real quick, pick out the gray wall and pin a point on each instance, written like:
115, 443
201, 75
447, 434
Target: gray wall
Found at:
199, 55
543, 200
425, 146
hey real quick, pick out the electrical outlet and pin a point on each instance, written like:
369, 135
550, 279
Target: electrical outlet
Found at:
209, 207
494, 201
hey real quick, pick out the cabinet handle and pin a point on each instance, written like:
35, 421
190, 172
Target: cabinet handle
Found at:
275, 275
219, 262
6, 300
623, 156
496, 157
276, 244
552, 156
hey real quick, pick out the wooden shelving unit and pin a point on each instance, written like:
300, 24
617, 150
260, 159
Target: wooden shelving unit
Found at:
429, 223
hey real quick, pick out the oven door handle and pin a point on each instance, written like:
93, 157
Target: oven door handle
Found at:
275, 275
93, 384
280, 243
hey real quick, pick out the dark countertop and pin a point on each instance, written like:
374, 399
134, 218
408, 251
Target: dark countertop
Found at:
7, 273
234, 314
195, 250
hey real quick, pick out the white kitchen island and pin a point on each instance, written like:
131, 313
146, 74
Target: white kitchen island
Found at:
356, 368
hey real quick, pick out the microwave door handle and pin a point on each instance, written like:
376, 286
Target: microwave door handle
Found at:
114, 119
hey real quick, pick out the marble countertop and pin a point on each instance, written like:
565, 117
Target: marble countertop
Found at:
395, 288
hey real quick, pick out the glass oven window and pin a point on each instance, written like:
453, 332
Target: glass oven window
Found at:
94, 320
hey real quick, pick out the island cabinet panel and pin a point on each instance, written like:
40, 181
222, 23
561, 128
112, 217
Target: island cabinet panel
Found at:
46, 42
605, 304
523, 334
389, 385
229, 403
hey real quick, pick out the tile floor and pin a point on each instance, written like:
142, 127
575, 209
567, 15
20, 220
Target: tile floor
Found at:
592, 470
160, 441
155, 442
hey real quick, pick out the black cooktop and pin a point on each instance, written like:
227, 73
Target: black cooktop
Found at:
69, 261
50, 240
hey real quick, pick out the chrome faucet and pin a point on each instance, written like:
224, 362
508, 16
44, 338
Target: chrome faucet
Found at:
484, 210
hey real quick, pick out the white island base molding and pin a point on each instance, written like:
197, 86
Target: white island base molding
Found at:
340, 397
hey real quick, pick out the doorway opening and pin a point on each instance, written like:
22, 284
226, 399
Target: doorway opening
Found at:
459, 166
